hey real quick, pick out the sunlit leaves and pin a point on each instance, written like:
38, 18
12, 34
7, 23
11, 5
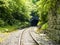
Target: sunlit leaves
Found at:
44, 6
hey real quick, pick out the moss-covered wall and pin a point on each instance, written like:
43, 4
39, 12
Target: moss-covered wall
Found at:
53, 30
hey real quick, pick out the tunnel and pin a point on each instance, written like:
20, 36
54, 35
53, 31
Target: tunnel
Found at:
34, 21
35, 18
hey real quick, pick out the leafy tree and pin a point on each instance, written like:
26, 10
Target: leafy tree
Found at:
6, 10
12, 10
42, 10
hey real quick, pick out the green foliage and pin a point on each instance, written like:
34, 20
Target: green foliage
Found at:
39, 23
8, 28
49, 12
43, 7
58, 10
44, 26
6, 9
24, 24
2, 23
15, 12
50, 9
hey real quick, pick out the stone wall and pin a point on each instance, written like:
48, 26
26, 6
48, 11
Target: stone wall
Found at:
53, 30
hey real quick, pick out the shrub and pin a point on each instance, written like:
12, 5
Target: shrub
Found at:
44, 26
2, 23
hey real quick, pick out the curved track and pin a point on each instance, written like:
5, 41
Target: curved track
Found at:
26, 37
15, 38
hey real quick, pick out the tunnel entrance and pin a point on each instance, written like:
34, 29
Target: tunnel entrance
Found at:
34, 20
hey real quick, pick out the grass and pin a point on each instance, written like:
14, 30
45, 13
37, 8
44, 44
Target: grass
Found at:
8, 28
13, 28
6, 31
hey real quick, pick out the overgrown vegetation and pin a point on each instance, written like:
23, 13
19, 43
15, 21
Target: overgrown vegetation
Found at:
49, 13
18, 13
15, 12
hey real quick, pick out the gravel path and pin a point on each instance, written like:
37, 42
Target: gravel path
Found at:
26, 36
12, 39
15, 38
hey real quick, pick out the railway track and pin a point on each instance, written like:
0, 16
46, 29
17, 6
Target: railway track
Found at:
28, 35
